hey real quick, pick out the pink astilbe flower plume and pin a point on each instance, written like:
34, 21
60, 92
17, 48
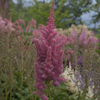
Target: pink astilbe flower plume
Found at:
49, 58
21, 21
51, 18
83, 39
6, 25
18, 27
31, 23
93, 40
74, 35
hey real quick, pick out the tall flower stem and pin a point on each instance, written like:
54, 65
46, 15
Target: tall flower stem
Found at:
85, 90
32, 88
48, 87
6, 85
21, 77
84, 93
11, 86
48, 59
7, 62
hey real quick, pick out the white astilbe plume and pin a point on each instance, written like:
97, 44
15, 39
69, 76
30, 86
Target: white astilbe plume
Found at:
70, 84
68, 74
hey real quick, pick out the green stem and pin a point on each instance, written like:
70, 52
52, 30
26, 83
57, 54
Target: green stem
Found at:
84, 94
6, 93
32, 87
11, 90
85, 90
53, 89
29, 89
11, 80
32, 90
49, 94
21, 78
5, 85
35, 97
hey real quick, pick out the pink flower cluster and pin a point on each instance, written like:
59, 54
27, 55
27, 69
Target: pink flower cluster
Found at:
84, 40
48, 65
68, 41
36, 32
6, 25
31, 23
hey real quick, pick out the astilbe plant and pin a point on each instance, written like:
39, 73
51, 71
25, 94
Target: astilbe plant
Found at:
68, 50
83, 61
6, 70
27, 32
87, 63
16, 68
83, 41
31, 27
25, 53
48, 65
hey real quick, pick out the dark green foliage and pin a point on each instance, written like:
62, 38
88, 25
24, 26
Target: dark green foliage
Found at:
75, 9
98, 50
96, 8
67, 12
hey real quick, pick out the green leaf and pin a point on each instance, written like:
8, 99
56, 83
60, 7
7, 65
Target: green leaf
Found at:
98, 51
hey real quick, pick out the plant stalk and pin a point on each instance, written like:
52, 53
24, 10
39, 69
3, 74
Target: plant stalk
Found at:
21, 78
49, 94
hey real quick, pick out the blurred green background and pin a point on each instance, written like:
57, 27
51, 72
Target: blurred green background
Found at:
67, 12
